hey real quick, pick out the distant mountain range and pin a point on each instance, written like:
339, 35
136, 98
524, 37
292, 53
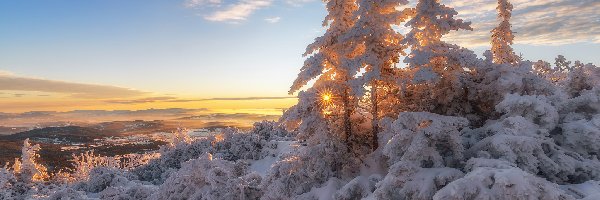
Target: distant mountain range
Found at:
53, 140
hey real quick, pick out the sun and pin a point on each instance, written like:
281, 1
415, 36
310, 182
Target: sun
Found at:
326, 97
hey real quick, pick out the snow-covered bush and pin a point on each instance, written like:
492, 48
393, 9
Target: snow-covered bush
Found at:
85, 162
422, 149
358, 188
8, 184
236, 145
101, 178
500, 182
67, 193
582, 136
131, 191
269, 130
407, 180
208, 178
521, 141
231, 145
311, 166
536, 109
171, 159
426, 139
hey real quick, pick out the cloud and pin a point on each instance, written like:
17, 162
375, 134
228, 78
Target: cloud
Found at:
541, 22
231, 116
231, 99
200, 3
239, 11
6, 73
273, 20
142, 100
12, 82
298, 2
99, 115
176, 100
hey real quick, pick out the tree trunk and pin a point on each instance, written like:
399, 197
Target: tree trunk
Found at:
347, 111
374, 113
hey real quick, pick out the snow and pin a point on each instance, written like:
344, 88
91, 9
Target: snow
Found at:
263, 165
448, 126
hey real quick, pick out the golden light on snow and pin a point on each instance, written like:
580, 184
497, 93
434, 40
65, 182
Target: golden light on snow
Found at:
219, 137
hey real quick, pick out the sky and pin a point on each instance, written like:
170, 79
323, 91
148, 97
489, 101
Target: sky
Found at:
230, 56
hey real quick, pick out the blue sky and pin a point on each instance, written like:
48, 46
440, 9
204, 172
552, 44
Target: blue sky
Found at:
158, 46
223, 48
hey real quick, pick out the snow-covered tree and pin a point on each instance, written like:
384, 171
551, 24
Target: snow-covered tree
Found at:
377, 49
30, 170
436, 68
327, 62
502, 35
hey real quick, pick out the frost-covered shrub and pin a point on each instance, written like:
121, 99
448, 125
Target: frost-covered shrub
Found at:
131, 191
406, 180
231, 144
489, 83
584, 106
85, 162
500, 182
8, 184
358, 188
171, 159
101, 178
580, 78
268, 130
582, 136
427, 139
67, 193
536, 109
523, 143
236, 145
421, 149
308, 167
208, 178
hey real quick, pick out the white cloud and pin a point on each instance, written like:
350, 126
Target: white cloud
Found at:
298, 2
542, 22
273, 20
5, 73
239, 11
201, 3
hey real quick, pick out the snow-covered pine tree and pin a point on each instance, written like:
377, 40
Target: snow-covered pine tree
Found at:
502, 36
326, 61
377, 49
30, 170
436, 67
